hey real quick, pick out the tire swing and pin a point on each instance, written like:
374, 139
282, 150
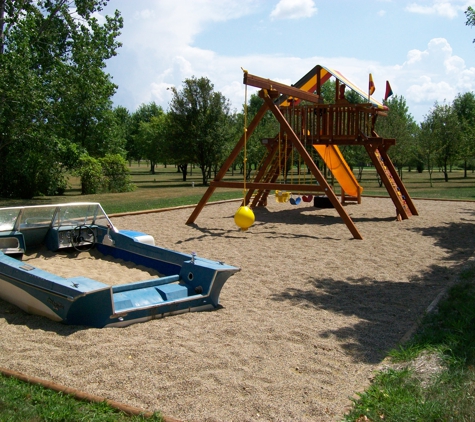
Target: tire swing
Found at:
244, 217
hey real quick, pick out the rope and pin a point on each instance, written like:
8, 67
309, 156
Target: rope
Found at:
245, 143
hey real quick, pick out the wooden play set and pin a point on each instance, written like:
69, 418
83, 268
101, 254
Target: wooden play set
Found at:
306, 125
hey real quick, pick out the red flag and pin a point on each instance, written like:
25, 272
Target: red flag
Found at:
371, 87
389, 91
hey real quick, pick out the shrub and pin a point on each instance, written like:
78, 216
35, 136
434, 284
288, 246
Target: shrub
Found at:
116, 174
90, 172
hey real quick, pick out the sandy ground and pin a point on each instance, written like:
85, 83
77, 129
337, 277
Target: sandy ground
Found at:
304, 325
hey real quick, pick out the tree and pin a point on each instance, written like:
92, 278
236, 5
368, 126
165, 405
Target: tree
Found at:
448, 135
198, 126
440, 140
427, 144
470, 15
151, 140
464, 106
54, 93
399, 124
135, 147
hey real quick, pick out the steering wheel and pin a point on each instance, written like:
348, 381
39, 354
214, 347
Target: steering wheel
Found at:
83, 238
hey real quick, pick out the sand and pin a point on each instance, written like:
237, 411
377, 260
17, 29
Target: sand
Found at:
304, 324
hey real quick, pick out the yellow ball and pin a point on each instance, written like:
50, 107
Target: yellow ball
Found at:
244, 218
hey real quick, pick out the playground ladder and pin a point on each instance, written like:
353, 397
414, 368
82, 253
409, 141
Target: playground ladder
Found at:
393, 183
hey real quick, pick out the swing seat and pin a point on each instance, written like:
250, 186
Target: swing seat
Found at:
282, 196
307, 198
295, 201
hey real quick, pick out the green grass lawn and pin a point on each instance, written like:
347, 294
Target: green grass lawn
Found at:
166, 189
24, 402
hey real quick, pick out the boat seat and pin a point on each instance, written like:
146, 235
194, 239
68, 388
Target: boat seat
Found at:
172, 291
154, 282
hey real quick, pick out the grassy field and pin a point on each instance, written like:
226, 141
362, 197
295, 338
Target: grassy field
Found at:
24, 402
166, 188
446, 339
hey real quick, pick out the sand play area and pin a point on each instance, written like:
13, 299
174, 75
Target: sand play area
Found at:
304, 324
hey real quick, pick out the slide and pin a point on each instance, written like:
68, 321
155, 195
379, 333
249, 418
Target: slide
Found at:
338, 166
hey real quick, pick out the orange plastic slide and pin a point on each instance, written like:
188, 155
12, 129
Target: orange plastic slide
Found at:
339, 167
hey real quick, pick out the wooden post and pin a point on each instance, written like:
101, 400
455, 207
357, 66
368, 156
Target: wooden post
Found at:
225, 167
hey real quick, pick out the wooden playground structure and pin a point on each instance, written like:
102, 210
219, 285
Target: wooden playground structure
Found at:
308, 125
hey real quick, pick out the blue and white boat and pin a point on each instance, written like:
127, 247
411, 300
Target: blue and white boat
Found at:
186, 282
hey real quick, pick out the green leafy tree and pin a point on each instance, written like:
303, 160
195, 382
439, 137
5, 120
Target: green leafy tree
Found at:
54, 93
427, 144
464, 106
135, 147
198, 126
448, 135
470, 15
151, 140
440, 138
399, 124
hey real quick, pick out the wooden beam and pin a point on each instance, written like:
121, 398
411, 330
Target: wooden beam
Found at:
349, 140
290, 187
269, 85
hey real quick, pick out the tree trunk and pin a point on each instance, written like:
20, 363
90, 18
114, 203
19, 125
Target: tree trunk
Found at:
360, 173
184, 171
204, 175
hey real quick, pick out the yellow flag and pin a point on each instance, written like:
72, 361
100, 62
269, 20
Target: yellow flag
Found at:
371, 87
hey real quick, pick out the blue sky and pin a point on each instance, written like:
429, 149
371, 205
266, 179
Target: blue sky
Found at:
423, 47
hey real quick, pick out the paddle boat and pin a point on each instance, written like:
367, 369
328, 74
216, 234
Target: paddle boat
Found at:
182, 282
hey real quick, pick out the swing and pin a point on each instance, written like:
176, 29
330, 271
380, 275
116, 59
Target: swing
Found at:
244, 217
308, 197
297, 200
282, 196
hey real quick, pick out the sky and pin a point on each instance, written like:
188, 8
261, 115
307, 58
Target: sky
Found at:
422, 47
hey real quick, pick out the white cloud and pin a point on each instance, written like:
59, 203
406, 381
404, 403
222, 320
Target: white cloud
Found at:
294, 9
429, 90
159, 52
448, 9
435, 74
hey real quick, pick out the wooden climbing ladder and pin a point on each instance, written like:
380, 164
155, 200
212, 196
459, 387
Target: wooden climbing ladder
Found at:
393, 183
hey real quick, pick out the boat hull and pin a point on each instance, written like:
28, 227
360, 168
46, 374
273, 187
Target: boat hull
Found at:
187, 283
